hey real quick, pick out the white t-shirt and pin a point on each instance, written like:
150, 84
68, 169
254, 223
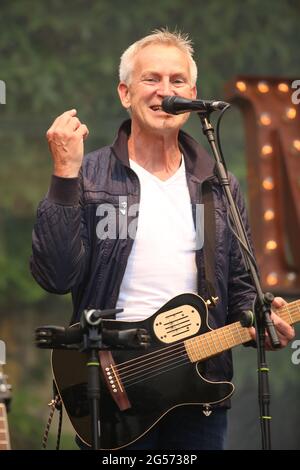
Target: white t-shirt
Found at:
162, 262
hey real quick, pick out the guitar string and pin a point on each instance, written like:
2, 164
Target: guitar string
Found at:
142, 379
126, 378
148, 374
162, 363
164, 366
176, 351
204, 337
152, 358
178, 348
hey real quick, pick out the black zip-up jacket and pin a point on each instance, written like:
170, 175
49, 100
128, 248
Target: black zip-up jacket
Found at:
68, 256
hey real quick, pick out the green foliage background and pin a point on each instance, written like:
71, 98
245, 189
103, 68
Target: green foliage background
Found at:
58, 55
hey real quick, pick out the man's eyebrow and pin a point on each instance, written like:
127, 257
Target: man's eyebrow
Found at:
173, 74
150, 72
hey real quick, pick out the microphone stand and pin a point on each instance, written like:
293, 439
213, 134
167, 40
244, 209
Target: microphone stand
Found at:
90, 338
263, 301
92, 343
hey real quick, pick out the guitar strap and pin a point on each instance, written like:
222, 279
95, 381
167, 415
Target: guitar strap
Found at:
209, 247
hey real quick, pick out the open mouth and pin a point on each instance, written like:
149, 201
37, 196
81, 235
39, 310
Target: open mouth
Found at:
156, 108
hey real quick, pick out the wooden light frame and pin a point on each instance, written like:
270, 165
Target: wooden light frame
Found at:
272, 126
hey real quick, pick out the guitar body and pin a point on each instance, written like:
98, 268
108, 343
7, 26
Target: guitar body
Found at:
138, 387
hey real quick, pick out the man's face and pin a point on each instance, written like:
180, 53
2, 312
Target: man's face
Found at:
158, 71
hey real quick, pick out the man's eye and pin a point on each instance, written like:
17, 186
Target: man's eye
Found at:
178, 81
150, 79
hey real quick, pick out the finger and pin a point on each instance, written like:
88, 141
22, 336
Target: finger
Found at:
282, 327
252, 332
268, 345
63, 119
82, 131
72, 124
278, 302
282, 340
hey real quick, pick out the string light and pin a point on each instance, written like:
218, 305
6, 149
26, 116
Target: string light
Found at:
291, 276
290, 113
296, 145
269, 215
263, 87
268, 183
241, 86
272, 279
271, 245
265, 119
266, 150
283, 87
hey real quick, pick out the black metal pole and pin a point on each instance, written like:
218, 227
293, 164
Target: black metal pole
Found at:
93, 392
263, 301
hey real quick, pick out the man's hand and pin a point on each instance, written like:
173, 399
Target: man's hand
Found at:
65, 138
284, 331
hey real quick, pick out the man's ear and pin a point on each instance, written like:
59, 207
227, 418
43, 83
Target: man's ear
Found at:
124, 94
194, 92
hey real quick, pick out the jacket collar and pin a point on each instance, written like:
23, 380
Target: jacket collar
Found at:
197, 161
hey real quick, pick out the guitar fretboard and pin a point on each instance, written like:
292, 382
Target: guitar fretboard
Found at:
4, 435
214, 342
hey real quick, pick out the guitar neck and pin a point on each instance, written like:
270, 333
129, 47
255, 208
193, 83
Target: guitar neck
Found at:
4, 434
215, 342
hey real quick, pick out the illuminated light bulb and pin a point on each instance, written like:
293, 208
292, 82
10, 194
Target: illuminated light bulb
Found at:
296, 145
241, 86
263, 87
265, 119
272, 279
271, 245
269, 215
266, 150
291, 277
290, 113
283, 87
268, 183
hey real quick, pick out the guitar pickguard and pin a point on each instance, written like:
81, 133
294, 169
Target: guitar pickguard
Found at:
177, 323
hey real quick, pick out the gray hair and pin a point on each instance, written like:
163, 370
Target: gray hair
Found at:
159, 36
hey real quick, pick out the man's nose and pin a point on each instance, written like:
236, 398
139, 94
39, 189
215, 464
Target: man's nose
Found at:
165, 88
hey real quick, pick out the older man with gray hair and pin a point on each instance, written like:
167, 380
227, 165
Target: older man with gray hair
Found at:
161, 172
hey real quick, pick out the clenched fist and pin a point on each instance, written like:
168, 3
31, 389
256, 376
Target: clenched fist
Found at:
65, 138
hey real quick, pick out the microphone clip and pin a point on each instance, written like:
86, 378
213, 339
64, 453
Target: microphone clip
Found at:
91, 332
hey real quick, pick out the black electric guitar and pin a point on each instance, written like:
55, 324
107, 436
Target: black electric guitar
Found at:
139, 387
5, 397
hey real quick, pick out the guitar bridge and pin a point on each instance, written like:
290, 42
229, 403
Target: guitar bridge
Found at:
113, 381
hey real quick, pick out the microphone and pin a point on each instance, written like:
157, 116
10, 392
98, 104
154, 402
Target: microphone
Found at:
179, 105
